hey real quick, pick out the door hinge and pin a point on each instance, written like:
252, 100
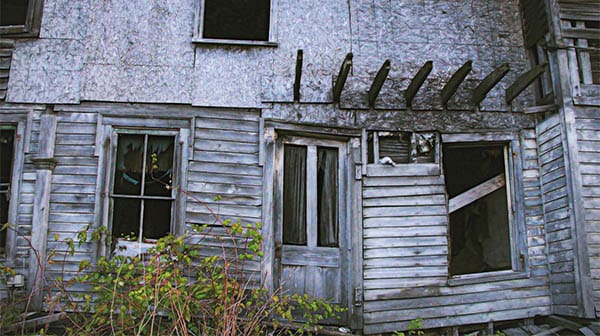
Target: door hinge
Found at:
358, 297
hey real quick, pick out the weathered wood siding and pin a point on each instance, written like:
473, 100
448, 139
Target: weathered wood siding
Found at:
406, 253
225, 165
555, 196
72, 198
588, 140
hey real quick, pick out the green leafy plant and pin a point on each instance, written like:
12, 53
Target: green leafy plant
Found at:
415, 327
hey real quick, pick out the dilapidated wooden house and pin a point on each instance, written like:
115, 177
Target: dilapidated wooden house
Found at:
433, 159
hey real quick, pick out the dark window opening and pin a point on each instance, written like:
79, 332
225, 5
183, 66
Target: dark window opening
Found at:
327, 196
236, 19
6, 162
478, 203
294, 195
142, 201
13, 12
310, 203
594, 52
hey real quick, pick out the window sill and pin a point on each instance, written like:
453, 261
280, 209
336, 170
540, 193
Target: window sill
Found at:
476, 278
249, 43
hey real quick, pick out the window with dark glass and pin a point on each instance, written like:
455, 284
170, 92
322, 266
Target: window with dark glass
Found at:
478, 206
236, 19
13, 12
310, 195
141, 195
6, 160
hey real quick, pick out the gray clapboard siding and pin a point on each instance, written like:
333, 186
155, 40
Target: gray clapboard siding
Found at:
406, 251
225, 164
555, 198
588, 141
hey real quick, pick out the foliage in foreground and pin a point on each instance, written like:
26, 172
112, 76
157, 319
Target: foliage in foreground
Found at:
174, 290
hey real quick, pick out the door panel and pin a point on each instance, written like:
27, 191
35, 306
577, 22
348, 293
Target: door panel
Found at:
311, 235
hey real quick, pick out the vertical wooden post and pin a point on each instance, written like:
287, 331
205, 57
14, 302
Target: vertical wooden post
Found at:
44, 165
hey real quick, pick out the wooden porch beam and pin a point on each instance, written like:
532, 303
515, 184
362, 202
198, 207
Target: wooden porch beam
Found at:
462, 200
488, 83
378, 82
417, 82
298, 78
523, 81
459, 76
341, 78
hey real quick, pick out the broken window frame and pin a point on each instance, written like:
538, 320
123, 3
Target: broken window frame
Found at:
579, 33
31, 28
179, 146
198, 35
15, 186
516, 220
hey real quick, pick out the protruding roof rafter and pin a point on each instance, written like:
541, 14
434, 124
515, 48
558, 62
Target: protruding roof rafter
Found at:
459, 76
298, 78
417, 82
523, 81
341, 78
488, 83
378, 82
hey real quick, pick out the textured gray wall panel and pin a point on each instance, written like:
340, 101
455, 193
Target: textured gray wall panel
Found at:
65, 19
46, 71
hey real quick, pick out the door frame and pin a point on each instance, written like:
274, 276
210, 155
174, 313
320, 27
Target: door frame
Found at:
352, 274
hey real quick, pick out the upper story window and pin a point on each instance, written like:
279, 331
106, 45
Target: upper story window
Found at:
6, 163
235, 22
20, 18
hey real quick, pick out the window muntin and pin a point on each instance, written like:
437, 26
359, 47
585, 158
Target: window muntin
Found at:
479, 205
7, 136
310, 195
142, 203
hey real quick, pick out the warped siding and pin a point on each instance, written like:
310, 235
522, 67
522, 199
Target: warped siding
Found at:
72, 197
588, 140
406, 253
224, 177
555, 198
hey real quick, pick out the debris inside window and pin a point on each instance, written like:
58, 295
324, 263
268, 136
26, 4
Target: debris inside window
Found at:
394, 148
237, 20
478, 206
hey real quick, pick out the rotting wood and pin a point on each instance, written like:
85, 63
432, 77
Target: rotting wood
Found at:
417, 82
454, 82
341, 78
298, 77
523, 81
488, 83
378, 82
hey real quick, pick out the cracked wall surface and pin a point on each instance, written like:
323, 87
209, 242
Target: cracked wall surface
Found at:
142, 51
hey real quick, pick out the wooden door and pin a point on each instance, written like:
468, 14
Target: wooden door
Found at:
311, 230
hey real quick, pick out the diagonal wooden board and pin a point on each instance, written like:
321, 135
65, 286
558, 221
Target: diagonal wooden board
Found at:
481, 190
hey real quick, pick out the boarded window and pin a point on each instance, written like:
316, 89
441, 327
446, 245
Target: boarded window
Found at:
6, 161
13, 12
142, 200
479, 208
236, 19
310, 200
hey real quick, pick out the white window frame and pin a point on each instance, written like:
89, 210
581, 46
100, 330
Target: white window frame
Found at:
198, 35
516, 221
113, 126
31, 28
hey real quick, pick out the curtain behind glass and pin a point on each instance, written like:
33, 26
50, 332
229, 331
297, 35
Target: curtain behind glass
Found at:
327, 198
294, 195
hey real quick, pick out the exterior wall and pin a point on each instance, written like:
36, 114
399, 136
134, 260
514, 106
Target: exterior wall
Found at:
406, 252
141, 51
588, 137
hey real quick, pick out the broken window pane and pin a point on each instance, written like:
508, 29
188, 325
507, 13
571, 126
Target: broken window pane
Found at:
237, 19
6, 161
479, 230
146, 206
294, 195
159, 165
128, 172
327, 200
13, 12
